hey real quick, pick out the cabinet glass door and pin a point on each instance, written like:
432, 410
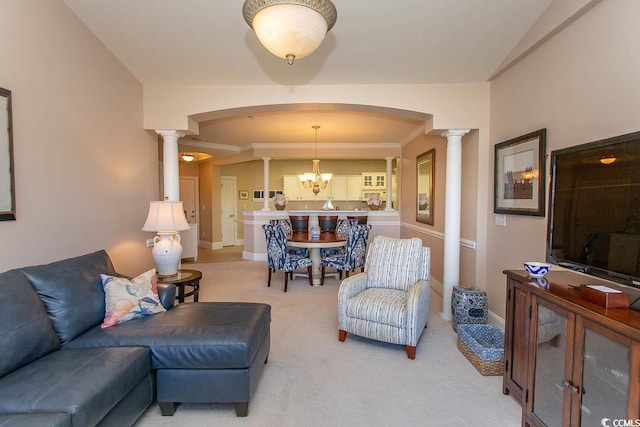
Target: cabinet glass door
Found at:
605, 378
550, 356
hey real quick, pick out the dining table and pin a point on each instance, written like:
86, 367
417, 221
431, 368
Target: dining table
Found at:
314, 244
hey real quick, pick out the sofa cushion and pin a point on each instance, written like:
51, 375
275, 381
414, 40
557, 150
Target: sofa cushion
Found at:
72, 293
127, 299
25, 328
85, 383
379, 305
204, 335
35, 419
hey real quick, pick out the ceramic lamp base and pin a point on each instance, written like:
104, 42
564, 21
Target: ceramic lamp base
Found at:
167, 253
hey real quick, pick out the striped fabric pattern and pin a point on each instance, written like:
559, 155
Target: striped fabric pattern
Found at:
387, 306
379, 305
395, 263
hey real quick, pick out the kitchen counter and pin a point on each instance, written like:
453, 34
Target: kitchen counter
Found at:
383, 222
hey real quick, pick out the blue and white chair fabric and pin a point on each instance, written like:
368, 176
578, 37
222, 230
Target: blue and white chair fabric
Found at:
389, 301
288, 231
342, 228
278, 256
355, 251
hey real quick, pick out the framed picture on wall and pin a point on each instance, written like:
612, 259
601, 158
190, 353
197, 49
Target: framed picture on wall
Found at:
520, 175
7, 176
243, 194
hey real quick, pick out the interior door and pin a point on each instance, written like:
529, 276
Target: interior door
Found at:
189, 197
228, 214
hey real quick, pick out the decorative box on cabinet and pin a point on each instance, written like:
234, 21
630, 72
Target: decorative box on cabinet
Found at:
573, 362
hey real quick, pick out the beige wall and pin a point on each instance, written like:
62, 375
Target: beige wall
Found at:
85, 168
581, 85
433, 235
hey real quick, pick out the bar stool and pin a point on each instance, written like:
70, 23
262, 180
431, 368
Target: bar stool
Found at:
362, 219
328, 223
299, 223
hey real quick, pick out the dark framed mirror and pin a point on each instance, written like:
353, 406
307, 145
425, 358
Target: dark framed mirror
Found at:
7, 184
425, 168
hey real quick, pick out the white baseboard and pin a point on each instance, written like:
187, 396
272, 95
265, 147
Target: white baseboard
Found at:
252, 256
205, 244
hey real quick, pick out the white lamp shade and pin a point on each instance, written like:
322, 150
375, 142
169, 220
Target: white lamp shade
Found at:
290, 29
165, 217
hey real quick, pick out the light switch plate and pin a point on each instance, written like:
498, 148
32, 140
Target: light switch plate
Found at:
501, 220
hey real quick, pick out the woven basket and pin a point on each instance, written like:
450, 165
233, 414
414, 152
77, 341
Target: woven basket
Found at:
483, 366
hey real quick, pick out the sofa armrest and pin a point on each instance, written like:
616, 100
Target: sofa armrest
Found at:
167, 295
417, 310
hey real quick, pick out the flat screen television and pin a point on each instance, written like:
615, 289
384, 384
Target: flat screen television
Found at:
594, 209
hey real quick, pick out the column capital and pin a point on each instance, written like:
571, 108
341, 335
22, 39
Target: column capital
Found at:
266, 159
169, 133
455, 132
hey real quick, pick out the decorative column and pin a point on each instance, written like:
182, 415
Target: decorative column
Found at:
170, 172
452, 209
388, 206
266, 183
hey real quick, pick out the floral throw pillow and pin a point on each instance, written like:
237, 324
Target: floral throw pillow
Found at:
127, 299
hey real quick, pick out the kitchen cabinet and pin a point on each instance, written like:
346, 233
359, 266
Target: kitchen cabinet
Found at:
568, 361
346, 187
341, 187
294, 190
374, 180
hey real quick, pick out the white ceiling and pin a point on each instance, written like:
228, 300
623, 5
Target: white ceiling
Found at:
207, 42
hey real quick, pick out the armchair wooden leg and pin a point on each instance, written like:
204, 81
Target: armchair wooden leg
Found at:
286, 280
269, 280
342, 335
309, 272
411, 351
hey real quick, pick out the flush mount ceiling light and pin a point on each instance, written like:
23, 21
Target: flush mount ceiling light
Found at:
290, 29
188, 157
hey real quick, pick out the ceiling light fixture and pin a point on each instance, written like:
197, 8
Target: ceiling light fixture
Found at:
607, 160
290, 29
188, 157
315, 180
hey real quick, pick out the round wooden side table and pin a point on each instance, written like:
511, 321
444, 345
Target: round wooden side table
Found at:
185, 278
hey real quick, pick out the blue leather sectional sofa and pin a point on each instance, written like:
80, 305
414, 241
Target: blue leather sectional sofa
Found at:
58, 367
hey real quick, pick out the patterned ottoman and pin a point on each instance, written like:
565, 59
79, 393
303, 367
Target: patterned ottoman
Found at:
468, 305
483, 345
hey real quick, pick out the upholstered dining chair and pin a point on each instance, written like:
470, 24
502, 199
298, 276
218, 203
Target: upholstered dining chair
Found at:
342, 228
353, 256
389, 301
278, 256
285, 223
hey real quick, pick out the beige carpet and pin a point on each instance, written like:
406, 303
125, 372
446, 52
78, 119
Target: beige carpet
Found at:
313, 380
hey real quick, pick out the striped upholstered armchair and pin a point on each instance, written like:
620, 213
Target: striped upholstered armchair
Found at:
389, 301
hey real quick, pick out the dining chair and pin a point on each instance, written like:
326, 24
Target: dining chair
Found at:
342, 229
278, 256
354, 254
285, 223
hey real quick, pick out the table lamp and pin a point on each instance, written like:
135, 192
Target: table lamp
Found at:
166, 218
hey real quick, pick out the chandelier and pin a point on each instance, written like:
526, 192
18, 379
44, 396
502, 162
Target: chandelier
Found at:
290, 29
315, 180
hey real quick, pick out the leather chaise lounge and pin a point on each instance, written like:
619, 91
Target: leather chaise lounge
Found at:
59, 367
